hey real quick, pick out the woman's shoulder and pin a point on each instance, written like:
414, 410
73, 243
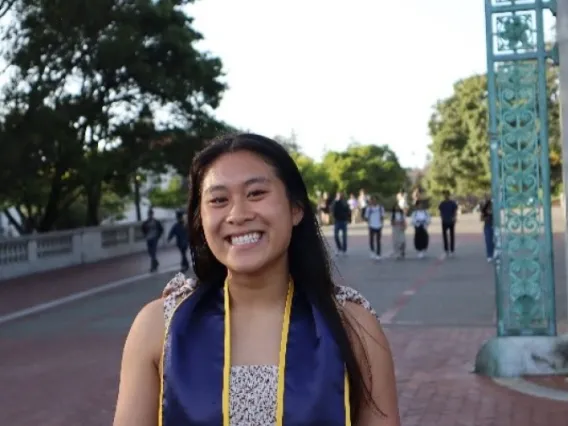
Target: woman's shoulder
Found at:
348, 295
366, 324
176, 290
144, 340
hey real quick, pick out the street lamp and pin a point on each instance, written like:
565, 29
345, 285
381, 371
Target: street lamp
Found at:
517, 59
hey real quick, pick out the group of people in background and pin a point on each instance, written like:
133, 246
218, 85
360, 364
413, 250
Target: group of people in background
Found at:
342, 212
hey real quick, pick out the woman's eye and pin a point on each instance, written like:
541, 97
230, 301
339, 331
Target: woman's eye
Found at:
256, 193
217, 200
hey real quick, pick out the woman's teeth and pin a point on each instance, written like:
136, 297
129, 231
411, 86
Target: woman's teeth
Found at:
251, 238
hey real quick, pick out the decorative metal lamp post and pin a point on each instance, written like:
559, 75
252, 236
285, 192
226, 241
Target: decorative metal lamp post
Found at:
518, 131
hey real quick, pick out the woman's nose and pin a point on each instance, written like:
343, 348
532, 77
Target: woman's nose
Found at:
240, 213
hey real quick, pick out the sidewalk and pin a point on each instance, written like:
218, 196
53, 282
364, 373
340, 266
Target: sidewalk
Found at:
436, 388
31, 290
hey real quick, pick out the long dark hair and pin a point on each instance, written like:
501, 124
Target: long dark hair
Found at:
313, 277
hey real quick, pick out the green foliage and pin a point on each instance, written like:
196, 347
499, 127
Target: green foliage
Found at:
373, 168
111, 205
78, 117
370, 167
554, 136
172, 197
460, 149
314, 174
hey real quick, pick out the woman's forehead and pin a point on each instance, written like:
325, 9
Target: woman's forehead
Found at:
239, 169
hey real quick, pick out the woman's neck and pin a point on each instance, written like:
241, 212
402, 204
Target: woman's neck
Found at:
264, 289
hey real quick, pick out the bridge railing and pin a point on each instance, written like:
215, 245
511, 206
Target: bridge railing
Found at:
42, 252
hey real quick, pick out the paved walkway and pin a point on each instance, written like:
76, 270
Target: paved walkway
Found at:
61, 365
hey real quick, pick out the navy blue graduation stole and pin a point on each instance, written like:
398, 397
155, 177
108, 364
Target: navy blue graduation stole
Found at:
312, 389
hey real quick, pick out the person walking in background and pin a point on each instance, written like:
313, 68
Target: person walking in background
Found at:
448, 213
374, 215
152, 230
179, 232
402, 201
354, 207
487, 219
324, 206
398, 223
341, 215
420, 221
363, 202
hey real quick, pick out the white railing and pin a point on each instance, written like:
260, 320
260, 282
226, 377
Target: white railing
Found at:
42, 252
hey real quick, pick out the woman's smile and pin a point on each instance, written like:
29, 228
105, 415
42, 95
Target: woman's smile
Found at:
244, 241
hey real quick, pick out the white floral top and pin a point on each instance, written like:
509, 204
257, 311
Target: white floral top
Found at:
253, 387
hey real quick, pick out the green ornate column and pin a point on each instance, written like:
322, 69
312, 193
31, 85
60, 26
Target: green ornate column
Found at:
518, 128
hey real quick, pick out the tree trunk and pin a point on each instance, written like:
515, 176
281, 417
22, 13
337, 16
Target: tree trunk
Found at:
137, 198
51, 211
93, 204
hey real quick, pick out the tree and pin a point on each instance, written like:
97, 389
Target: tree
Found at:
112, 206
371, 167
314, 175
554, 136
172, 197
460, 149
179, 145
86, 74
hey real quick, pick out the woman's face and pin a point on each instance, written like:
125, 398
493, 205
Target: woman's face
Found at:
246, 215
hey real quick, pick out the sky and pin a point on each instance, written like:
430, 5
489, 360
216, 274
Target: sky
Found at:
339, 71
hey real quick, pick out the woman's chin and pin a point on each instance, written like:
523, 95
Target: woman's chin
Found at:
246, 266
249, 263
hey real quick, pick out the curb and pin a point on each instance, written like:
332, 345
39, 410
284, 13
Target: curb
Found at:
525, 387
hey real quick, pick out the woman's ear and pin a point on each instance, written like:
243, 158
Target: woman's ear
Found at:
297, 213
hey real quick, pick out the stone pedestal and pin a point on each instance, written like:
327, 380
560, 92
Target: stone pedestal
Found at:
523, 356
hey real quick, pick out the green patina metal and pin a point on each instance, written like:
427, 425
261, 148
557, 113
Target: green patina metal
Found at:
518, 127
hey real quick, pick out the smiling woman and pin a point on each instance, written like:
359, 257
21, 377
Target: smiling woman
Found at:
246, 216
263, 336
